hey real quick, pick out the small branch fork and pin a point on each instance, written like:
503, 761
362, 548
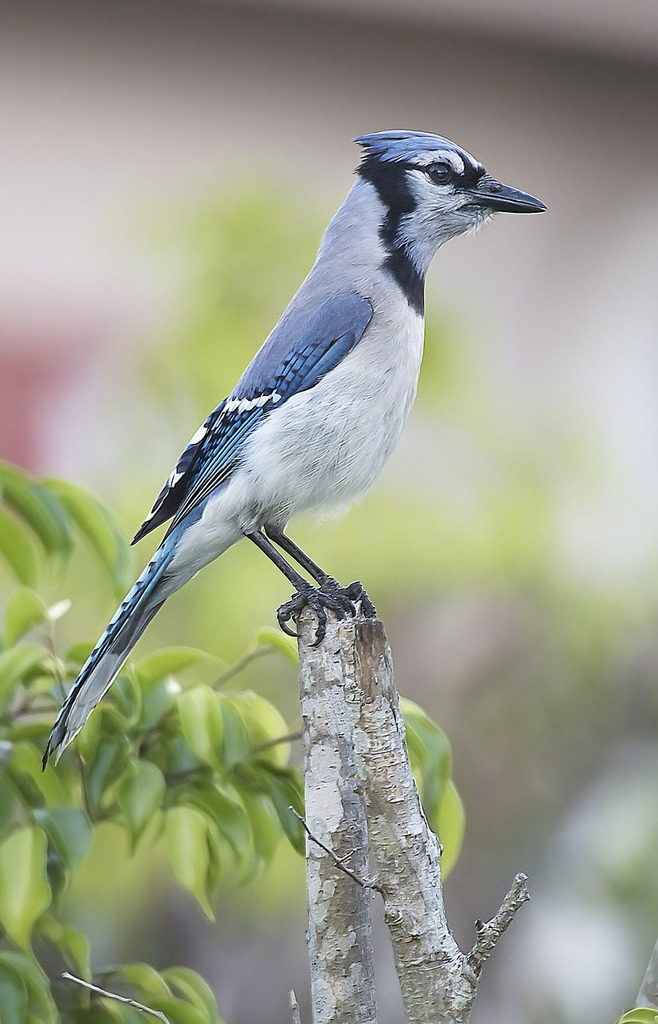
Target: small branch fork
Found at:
295, 1017
354, 732
489, 932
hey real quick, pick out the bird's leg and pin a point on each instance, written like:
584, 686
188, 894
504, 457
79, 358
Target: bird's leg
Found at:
305, 596
319, 600
289, 546
355, 591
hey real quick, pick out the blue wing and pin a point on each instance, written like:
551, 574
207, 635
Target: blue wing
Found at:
282, 368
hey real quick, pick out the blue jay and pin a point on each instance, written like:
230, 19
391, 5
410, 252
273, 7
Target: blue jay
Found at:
319, 410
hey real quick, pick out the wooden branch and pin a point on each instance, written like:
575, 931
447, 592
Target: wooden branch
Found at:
438, 982
339, 908
295, 1017
489, 932
435, 982
648, 994
340, 862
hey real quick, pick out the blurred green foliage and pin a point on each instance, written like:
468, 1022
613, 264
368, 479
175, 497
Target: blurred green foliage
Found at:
171, 751
176, 755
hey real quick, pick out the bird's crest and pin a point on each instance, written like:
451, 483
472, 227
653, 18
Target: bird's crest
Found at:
402, 147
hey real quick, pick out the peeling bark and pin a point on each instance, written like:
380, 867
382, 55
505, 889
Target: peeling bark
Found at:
339, 909
437, 984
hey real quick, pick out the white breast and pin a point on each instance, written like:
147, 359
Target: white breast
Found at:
328, 445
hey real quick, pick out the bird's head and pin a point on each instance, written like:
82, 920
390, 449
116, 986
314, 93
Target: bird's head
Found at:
432, 190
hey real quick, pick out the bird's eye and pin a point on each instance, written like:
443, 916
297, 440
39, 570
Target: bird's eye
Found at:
439, 174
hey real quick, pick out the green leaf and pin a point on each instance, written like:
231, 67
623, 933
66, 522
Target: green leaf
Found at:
99, 527
237, 742
173, 754
264, 824
157, 700
127, 697
105, 722
13, 996
34, 786
449, 823
140, 796
73, 946
78, 653
179, 1012
285, 789
20, 731
640, 1016
38, 507
109, 762
264, 723
151, 988
17, 548
24, 889
145, 980
16, 663
224, 809
430, 754
24, 611
187, 847
215, 860
278, 641
7, 807
68, 830
40, 1007
115, 1012
202, 724
192, 986
168, 661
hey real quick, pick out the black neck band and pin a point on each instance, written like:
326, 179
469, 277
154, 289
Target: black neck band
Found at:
390, 181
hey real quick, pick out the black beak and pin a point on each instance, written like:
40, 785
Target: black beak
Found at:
492, 195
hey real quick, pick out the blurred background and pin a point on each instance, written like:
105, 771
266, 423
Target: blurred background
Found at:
168, 168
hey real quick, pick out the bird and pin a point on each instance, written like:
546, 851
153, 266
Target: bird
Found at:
321, 407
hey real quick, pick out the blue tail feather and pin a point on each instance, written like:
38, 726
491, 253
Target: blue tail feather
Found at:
143, 601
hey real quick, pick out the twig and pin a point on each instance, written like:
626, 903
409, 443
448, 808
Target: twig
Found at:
289, 737
119, 999
365, 883
27, 710
489, 932
195, 772
648, 994
234, 670
294, 1008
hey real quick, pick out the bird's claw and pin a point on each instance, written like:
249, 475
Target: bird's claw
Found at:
358, 596
342, 601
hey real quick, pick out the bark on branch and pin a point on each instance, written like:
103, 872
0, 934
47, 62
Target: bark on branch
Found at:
339, 908
359, 741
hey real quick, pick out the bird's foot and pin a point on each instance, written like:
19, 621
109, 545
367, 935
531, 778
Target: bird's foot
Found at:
358, 597
342, 601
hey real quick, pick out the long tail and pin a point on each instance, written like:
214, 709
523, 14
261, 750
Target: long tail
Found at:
131, 618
